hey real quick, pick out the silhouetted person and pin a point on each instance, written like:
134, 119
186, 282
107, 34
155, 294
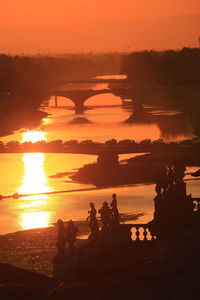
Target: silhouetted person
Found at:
162, 181
93, 223
105, 214
71, 233
114, 201
114, 213
61, 238
115, 217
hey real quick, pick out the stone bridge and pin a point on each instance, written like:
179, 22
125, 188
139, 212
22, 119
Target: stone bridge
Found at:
79, 91
79, 97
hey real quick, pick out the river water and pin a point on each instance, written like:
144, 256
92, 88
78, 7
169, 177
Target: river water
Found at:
104, 119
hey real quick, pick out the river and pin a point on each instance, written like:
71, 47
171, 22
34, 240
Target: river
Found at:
105, 118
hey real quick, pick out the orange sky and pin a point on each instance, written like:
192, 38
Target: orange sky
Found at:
97, 25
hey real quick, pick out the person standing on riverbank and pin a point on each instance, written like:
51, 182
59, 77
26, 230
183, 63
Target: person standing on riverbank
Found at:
114, 213
105, 215
61, 237
71, 233
114, 200
93, 223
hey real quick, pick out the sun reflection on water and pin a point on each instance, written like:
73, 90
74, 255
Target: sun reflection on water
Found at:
34, 181
33, 136
32, 220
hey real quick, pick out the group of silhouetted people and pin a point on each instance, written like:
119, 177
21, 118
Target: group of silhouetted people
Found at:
109, 216
168, 178
66, 235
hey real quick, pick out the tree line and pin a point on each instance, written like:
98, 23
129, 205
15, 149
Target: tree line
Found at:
178, 72
19, 74
167, 68
59, 145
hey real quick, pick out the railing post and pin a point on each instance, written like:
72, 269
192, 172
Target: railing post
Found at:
145, 233
152, 237
198, 205
137, 233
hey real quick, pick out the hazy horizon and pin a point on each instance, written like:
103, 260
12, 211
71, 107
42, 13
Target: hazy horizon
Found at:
87, 26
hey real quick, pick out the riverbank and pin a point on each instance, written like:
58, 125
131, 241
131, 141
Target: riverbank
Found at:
145, 271
34, 249
186, 158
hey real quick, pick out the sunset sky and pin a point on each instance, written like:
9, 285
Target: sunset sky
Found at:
42, 26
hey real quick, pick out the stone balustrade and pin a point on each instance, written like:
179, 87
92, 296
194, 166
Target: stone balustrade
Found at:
141, 232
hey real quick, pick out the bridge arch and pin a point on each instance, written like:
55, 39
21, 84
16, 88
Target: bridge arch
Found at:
103, 99
61, 101
79, 97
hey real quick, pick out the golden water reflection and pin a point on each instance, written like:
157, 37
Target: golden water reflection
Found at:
34, 181
33, 136
32, 220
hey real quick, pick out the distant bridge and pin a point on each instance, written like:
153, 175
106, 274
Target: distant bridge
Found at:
123, 88
79, 97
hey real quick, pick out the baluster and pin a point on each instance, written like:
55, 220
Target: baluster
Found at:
137, 233
145, 233
194, 203
198, 205
134, 234
152, 237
